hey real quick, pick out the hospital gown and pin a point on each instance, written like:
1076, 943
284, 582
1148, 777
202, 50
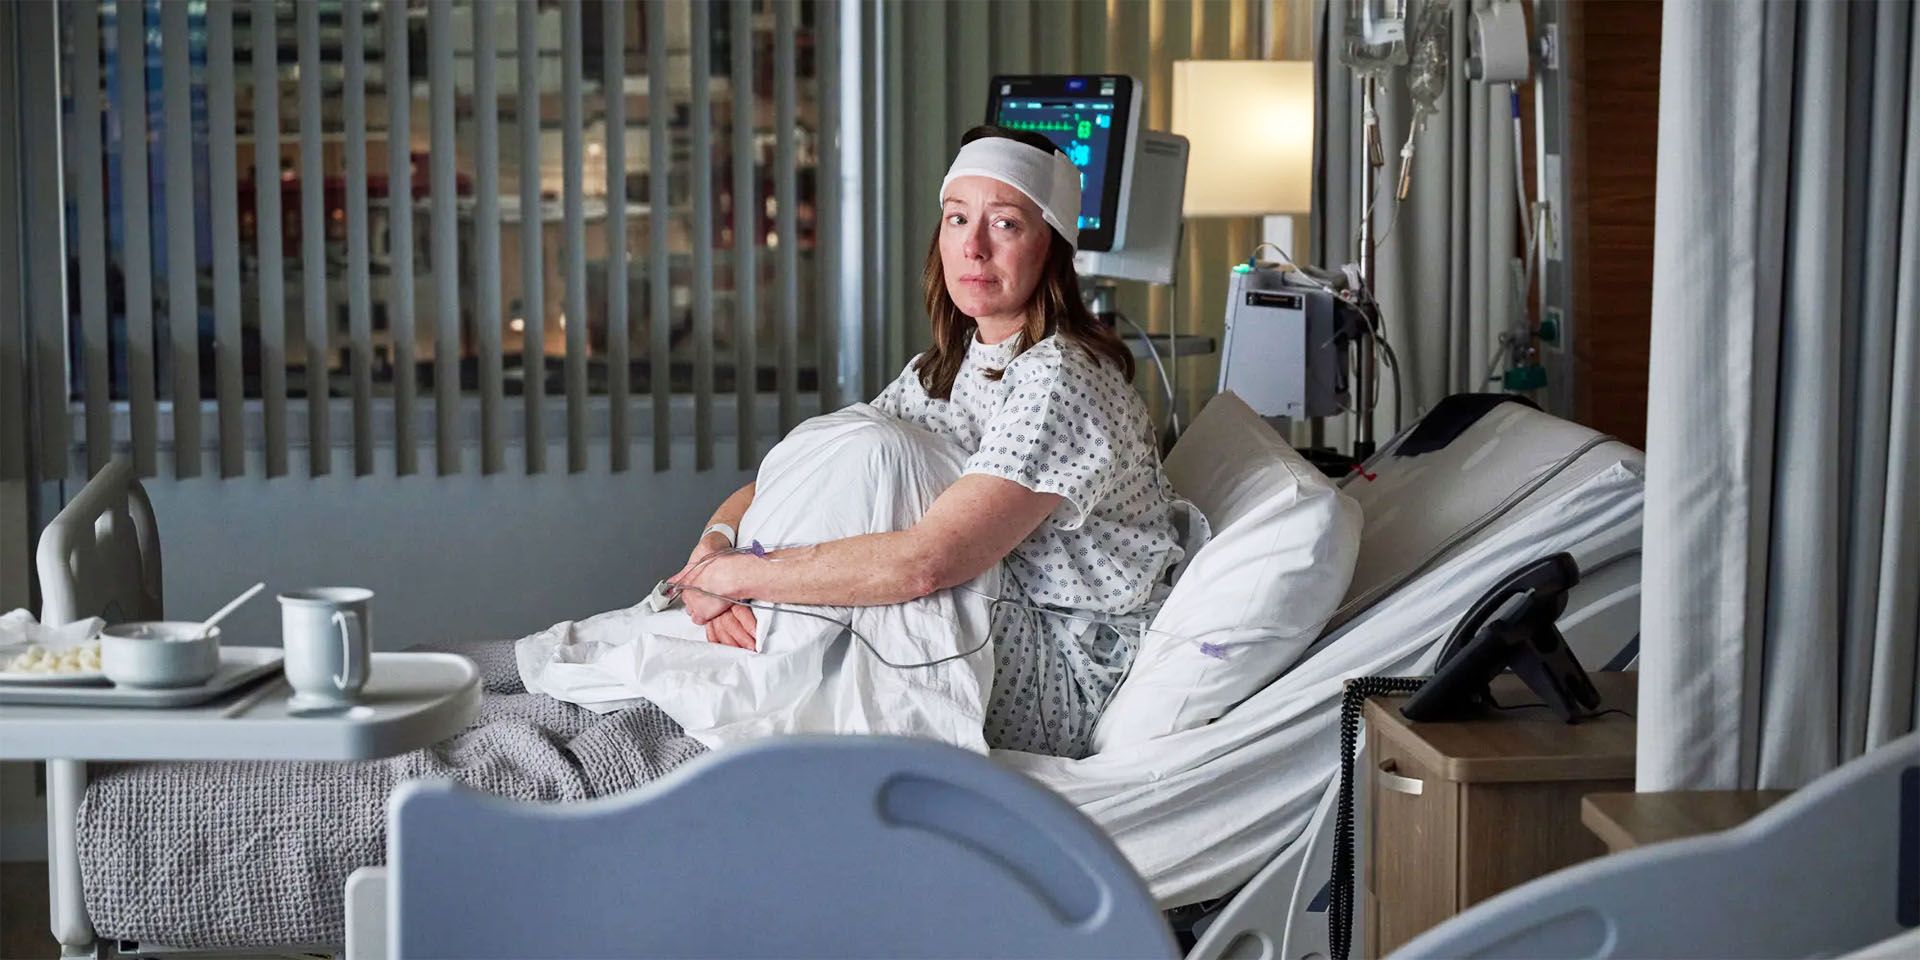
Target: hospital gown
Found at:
1058, 421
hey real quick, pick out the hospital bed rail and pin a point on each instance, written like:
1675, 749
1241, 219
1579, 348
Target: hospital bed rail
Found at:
935, 852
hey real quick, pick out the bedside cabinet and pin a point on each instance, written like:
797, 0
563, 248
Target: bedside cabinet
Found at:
1461, 811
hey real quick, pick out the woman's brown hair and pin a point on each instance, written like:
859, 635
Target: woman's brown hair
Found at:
1055, 309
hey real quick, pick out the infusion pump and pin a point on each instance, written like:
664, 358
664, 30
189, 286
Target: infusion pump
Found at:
1285, 352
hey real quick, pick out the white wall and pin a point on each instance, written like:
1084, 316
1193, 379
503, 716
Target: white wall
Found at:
452, 559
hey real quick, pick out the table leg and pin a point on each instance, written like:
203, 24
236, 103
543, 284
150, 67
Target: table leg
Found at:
66, 784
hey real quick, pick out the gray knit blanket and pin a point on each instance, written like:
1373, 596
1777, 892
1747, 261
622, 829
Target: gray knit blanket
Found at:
229, 854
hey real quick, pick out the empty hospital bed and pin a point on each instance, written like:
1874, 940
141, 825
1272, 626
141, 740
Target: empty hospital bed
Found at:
1206, 816
1832, 870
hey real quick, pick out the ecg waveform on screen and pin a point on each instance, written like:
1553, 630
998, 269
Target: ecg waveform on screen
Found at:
1041, 126
1076, 126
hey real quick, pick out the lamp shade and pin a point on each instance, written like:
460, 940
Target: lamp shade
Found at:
1249, 124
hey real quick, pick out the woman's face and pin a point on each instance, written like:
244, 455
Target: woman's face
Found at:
993, 249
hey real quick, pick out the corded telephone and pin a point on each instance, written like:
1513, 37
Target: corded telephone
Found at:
1511, 626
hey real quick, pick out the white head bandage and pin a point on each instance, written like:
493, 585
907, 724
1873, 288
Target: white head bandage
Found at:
1047, 177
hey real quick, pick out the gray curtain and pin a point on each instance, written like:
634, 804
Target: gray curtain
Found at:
1443, 256
1782, 555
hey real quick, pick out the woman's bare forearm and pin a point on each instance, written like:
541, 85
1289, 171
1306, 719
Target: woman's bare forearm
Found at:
974, 524
868, 570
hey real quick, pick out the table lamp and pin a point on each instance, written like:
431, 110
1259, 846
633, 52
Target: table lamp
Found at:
1250, 126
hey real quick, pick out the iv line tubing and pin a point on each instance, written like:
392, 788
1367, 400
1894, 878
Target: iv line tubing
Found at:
1165, 382
760, 550
995, 601
779, 608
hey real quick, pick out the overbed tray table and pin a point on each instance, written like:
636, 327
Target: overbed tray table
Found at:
411, 700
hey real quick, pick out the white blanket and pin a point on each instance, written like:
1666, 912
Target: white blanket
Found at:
839, 475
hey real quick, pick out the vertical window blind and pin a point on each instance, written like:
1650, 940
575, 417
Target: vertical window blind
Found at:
350, 236
460, 230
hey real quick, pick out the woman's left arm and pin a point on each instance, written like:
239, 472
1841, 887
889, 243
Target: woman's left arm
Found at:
970, 527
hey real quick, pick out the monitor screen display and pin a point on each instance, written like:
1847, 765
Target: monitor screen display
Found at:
1088, 118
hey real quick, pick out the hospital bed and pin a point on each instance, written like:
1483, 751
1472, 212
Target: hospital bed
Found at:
1230, 824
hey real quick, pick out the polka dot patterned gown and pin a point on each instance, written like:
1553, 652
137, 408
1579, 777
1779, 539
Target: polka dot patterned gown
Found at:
1059, 421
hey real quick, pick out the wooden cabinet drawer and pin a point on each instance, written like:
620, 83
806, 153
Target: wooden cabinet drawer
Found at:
1411, 866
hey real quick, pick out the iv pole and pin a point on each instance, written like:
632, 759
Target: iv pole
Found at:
1364, 387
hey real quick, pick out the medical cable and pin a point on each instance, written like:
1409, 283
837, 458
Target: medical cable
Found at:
1166, 383
1370, 311
1253, 260
1216, 651
1500, 351
1519, 168
782, 608
1392, 362
1173, 331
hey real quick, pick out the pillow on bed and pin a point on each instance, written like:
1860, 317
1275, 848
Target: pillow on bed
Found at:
1256, 596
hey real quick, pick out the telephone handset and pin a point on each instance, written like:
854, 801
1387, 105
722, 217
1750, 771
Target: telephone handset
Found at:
1511, 626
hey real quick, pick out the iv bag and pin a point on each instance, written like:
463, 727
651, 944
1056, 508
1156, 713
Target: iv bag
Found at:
1376, 32
1432, 49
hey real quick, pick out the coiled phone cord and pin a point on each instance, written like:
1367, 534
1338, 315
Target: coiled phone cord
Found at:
1340, 888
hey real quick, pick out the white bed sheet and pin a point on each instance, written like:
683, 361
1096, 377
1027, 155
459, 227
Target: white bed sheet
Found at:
1201, 811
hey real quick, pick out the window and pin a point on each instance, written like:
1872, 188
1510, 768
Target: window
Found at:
415, 206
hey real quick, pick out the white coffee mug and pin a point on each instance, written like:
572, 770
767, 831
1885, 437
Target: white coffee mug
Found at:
327, 634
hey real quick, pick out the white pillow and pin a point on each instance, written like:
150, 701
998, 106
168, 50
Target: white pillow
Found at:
1256, 596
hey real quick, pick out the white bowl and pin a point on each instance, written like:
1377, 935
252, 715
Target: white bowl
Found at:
159, 653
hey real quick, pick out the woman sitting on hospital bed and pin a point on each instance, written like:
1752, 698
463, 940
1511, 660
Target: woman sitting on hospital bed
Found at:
1062, 484
1061, 493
